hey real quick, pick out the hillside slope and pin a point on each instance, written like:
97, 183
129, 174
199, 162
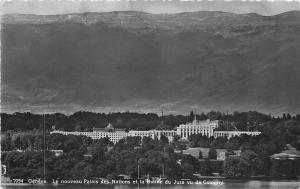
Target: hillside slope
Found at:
146, 62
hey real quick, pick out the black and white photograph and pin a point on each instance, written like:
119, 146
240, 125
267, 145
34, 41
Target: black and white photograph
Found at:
150, 94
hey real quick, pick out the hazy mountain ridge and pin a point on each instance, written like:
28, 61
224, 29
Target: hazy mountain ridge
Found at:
137, 20
133, 60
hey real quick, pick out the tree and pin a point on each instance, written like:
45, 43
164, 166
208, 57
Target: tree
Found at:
98, 153
192, 161
164, 139
181, 146
212, 154
204, 167
284, 117
100, 170
88, 171
200, 155
259, 166
17, 142
219, 143
87, 140
236, 167
111, 176
199, 140
285, 168
176, 138
188, 170
230, 146
172, 169
78, 128
192, 115
6, 142
248, 155
251, 158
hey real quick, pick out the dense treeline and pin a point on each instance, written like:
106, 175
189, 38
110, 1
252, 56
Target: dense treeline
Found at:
154, 157
85, 121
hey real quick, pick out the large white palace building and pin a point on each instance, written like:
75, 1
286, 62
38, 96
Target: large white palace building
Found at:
206, 128
116, 134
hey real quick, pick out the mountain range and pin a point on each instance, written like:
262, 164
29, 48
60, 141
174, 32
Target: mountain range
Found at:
135, 61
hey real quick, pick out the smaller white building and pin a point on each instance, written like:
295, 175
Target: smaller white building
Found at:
57, 152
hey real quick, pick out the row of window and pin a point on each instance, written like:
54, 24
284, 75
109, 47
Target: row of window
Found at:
185, 135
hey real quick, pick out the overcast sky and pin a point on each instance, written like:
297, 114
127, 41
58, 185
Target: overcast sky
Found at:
151, 6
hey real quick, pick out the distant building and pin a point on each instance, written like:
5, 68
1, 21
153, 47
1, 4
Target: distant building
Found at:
57, 152
229, 134
206, 128
221, 155
234, 153
87, 155
124, 177
290, 153
142, 134
114, 134
3, 170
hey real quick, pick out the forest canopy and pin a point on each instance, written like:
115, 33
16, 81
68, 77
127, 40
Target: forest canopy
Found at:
85, 121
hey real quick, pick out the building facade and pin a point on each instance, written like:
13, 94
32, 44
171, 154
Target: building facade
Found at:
116, 134
109, 131
229, 134
206, 128
142, 134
